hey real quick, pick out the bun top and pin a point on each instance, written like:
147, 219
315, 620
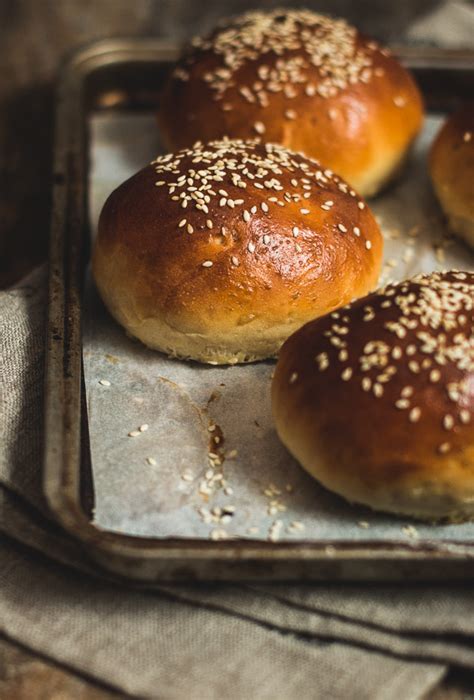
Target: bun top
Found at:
241, 240
301, 79
249, 200
332, 46
400, 361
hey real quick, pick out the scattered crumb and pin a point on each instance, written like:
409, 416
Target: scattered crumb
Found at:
410, 531
274, 530
112, 359
219, 534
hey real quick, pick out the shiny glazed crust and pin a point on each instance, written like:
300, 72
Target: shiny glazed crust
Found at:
376, 400
452, 171
309, 82
218, 253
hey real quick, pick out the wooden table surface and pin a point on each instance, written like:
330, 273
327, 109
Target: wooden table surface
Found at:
35, 38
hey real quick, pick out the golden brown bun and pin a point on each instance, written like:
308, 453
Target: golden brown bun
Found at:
376, 400
452, 171
307, 81
220, 252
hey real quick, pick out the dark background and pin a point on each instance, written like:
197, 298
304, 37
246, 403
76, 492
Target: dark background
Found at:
36, 36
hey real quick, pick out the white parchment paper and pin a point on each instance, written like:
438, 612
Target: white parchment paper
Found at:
162, 482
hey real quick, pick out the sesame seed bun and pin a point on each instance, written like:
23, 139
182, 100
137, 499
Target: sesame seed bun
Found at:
219, 252
452, 171
376, 400
294, 77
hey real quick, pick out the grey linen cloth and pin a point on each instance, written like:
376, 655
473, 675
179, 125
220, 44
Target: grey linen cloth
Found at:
237, 641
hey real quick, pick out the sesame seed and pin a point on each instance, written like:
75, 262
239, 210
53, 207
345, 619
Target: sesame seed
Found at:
246, 215
414, 415
295, 231
347, 374
465, 416
290, 114
305, 211
151, 461
209, 223
266, 239
134, 433
361, 205
189, 228
342, 228
259, 127
235, 261
467, 136
104, 382
378, 390
143, 428
444, 448
264, 206
448, 422
207, 263
368, 245
399, 101
293, 377
251, 247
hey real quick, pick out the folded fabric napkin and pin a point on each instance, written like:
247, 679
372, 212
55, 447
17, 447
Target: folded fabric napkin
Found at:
237, 641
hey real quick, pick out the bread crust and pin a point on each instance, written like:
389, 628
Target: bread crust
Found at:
451, 167
376, 401
311, 83
229, 278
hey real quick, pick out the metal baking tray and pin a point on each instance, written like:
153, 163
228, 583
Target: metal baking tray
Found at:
114, 74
